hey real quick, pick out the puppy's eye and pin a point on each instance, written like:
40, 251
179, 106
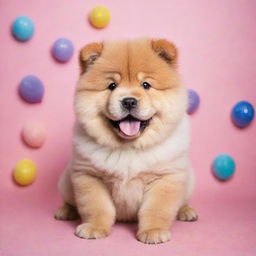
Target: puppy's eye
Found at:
146, 85
112, 86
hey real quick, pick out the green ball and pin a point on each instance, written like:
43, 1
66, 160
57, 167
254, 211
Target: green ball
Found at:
223, 167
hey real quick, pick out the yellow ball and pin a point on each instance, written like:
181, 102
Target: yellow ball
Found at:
25, 172
99, 17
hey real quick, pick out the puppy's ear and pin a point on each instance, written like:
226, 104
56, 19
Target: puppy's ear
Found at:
89, 54
166, 51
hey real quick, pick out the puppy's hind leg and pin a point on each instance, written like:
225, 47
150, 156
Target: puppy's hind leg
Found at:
186, 213
66, 212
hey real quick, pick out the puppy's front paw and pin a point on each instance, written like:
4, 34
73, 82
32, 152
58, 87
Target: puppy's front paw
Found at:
88, 231
154, 236
187, 213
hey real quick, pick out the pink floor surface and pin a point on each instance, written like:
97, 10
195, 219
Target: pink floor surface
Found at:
226, 226
216, 40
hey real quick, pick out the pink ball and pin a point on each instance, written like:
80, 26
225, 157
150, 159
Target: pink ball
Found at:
33, 134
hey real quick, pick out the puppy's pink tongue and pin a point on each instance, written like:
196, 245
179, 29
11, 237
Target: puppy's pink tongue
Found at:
130, 128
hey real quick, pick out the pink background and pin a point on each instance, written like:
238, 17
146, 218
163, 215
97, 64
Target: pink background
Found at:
217, 58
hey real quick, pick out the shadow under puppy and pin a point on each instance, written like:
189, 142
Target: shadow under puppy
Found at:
131, 140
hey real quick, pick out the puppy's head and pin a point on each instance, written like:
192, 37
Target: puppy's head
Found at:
129, 92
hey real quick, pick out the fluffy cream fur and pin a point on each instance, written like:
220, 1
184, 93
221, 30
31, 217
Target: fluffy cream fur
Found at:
146, 177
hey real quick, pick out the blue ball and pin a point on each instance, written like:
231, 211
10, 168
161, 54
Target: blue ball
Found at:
31, 89
223, 167
193, 101
62, 50
242, 114
23, 28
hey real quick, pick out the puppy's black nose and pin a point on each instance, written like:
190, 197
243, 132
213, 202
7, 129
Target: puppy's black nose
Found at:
129, 103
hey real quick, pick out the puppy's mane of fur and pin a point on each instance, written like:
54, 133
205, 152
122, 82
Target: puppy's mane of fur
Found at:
146, 176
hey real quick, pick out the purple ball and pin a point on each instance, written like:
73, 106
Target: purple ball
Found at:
62, 50
193, 101
31, 89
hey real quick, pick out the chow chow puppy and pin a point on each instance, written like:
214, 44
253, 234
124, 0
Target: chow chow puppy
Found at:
131, 140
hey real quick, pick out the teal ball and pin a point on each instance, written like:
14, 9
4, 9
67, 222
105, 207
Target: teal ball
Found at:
223, 167
23, 28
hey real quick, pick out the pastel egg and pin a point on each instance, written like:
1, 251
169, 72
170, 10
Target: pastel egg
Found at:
34, 134
23, 28
25, 172
99, 17
31, 89
63, 50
